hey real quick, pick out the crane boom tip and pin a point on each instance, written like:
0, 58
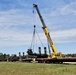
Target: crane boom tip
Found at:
35, 5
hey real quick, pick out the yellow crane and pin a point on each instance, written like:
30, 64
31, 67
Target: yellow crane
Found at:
55, 54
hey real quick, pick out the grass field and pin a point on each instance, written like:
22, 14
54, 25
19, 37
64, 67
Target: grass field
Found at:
19, 68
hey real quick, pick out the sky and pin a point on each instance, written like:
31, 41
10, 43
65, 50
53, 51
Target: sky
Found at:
17, 20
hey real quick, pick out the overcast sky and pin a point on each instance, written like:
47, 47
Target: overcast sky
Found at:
17, 21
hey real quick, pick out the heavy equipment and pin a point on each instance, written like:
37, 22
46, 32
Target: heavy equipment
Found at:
30, 51
55, 53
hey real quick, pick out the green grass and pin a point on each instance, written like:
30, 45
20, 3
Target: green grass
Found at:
19, 68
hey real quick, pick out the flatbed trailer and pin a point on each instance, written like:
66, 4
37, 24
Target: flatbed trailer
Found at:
51, 60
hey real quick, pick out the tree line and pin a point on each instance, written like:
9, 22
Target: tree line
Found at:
70, 55
14, 57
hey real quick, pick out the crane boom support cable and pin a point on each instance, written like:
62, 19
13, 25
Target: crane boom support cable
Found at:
35, 29
39, 39
33, 38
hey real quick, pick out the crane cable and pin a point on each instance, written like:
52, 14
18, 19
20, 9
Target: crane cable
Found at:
39, 39
34, 32
33, 37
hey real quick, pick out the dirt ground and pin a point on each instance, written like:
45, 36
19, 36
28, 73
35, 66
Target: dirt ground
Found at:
70, 63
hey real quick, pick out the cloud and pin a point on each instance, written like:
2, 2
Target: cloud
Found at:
65, 10
69, 9
65, 36
15, 27
10, 38
17, 18
13, 16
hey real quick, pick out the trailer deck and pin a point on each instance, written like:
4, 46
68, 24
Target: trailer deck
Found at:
51, 60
